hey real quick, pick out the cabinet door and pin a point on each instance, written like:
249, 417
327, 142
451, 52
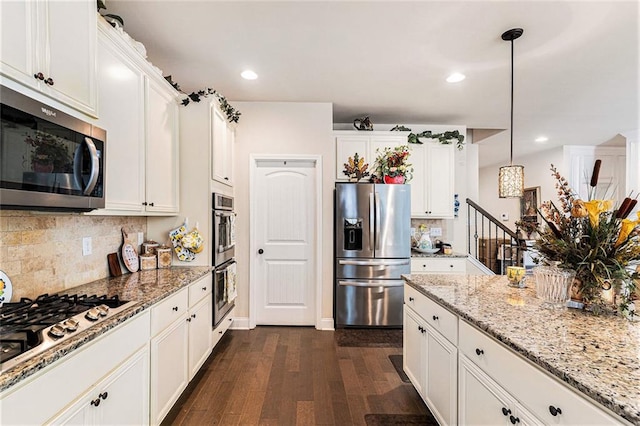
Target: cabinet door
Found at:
440, 177
219, 151
121, 109
70, 60
229, 151
348, 146
414, 350
169, 369
419, 182
441, 387
162, 178
18, 39
199, 334
377, 144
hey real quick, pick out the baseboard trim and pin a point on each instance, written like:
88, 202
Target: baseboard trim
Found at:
326, 324
240, 323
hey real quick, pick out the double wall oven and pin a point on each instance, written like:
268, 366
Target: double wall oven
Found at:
224, 242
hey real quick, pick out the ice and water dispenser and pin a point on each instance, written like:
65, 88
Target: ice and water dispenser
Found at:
352, 234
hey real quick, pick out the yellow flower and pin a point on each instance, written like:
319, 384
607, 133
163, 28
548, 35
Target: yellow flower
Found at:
607, 205
626, 227
594, 207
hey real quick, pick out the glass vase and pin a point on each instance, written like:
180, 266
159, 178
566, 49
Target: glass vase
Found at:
553, 285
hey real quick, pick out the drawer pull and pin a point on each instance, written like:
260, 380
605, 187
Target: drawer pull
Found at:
411, 299
104, 395
435, 318
95, 402
480, 352
175, 308
193, 315
188, 319
204, 289
506, 411
514, 420
554, 410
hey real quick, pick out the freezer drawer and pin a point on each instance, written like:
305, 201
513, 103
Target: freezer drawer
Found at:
372, 268
369, 303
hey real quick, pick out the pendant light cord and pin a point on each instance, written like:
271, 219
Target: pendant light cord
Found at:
511, 130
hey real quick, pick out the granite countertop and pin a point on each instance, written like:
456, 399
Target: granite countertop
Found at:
597, 355
145, 287
454, 254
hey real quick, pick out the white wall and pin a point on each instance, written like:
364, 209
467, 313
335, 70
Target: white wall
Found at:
633, 165
536, 173
283, 128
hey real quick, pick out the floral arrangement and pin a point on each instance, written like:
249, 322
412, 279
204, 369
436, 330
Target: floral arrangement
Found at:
356, 168
393, 162
233, 115
596, 240
50, 151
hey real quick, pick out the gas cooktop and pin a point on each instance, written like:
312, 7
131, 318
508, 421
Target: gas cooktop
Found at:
29, 327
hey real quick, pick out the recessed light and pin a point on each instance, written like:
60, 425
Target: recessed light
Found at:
541, 139
249, 75
456, 77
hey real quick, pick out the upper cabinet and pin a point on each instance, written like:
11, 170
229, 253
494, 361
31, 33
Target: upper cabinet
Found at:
139, 111
222, 140
432, 186
50, 46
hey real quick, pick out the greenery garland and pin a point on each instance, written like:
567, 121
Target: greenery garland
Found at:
445, 138
233, 115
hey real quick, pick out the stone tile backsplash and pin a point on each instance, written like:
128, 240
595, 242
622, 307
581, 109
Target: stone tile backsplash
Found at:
42, 252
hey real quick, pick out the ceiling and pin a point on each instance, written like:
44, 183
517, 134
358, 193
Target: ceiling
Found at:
576, 66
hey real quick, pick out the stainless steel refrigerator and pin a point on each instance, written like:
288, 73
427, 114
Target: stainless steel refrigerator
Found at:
372, 249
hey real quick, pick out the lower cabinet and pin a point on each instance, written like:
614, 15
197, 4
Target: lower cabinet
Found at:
439, 265
121, 398
430, 362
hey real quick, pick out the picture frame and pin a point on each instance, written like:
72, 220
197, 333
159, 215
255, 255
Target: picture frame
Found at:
529, 204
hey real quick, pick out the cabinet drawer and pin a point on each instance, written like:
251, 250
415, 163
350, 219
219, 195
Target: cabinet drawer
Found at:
535, 389
439, 265
221, 329
199, 290
169, 310
435, 315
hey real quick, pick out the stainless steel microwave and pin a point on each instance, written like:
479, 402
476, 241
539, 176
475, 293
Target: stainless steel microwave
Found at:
49, 160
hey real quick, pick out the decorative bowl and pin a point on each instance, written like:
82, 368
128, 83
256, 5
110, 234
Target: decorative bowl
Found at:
428, 250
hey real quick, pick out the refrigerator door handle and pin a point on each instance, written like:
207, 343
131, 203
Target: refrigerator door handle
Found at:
372, 283
371, 223
377, 198
374, 262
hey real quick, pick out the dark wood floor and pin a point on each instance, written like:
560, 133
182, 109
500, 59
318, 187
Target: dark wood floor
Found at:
293, 376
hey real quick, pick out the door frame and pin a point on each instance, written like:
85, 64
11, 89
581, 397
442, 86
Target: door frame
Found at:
253, 160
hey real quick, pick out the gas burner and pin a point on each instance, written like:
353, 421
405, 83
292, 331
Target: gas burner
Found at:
29, 326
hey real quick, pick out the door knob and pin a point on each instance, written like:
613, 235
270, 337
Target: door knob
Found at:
260, 251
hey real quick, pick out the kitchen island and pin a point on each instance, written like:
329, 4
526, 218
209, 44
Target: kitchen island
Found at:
594, 356
146, 288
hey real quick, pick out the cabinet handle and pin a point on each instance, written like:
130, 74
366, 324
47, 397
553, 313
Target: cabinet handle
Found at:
226, 178
514, 420
39, 76
144, 203
104, 395
49, 81
189, 319
506, 411
450, 266
193, 315
151, 204
175, 308
435, 318
220, 331
95, 402
411, 299
480, 352
554, 410
204, 289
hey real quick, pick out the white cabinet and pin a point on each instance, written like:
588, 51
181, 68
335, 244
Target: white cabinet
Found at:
432, 187
430, 362
111, 362
181, 330
169, 352
483, 401
439, 265
365, 144
50, 46
121, 398
222, 141
139, 111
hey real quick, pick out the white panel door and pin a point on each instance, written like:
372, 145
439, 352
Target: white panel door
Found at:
284, 232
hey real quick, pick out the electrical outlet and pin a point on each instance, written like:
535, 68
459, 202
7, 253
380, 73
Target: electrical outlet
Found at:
140, 238
436, 232
504, 216
86, 246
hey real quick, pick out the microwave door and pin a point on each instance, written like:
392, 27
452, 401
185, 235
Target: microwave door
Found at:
86, 164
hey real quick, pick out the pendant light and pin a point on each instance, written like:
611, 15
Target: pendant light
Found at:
511, 178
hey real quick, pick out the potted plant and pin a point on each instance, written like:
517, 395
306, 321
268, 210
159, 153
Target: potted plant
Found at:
392, 165
49, 154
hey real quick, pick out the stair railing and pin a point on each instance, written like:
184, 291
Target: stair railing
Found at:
491, 242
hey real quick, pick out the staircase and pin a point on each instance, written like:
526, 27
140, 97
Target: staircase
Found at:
490, 242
